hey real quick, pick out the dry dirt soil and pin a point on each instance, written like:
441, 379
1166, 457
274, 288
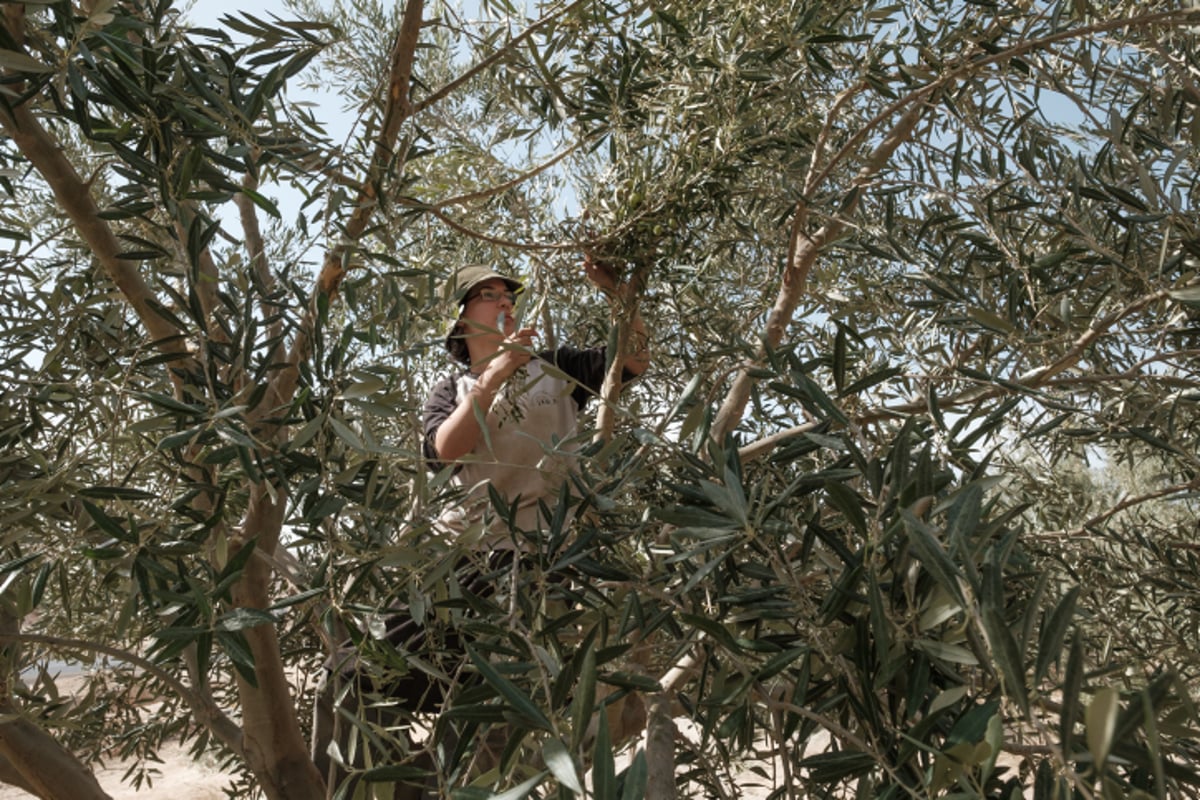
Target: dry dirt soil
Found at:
180, 778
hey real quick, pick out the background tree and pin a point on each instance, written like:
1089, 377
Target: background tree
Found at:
910, 270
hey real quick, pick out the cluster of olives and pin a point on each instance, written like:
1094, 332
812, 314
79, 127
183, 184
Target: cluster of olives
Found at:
623, 227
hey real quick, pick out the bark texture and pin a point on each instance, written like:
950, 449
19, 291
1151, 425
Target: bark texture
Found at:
273, 743
660, 749
45, 768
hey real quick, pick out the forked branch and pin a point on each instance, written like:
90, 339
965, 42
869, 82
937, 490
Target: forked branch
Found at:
384, 160
803, 250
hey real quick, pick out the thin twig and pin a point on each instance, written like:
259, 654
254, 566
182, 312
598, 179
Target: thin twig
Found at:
1027, 382
1124, 505
494, 58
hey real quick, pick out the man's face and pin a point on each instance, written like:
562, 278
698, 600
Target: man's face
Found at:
483, 307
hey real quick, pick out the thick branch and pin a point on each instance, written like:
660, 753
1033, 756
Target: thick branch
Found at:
205, 711
396, 111
610, 389
274, 745
803, 252
10, 670
660, 748
623, 309
74, 196
14, 20
256, 251
11, 776
49, 770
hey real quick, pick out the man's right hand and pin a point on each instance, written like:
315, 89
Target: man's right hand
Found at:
514, 353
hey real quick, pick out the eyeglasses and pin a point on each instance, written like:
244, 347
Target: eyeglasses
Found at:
494, 296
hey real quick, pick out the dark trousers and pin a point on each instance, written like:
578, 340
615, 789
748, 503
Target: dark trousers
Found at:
372, 696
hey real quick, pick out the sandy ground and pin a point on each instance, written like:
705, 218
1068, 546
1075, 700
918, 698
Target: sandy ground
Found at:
180, 778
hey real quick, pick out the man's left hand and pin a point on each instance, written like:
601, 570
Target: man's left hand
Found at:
603, 276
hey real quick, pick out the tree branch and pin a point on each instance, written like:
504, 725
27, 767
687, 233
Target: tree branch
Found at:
842, 732
1039, 376
51, 770
508, 244
75, 198
660, 748
10, 775
492, 191
274, 745
811, 180
204, 709
208, 279
494, 58
623, 308
974, 61
398, 108
1027, 382
256, 251
14, 21
802, 254
1127, 503
803, 250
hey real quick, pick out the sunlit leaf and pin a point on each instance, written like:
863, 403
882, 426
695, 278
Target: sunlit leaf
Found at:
1054, 631
521, 790
1189, 296
242, 618
20, 62
1101, 722
562, 765
363, 388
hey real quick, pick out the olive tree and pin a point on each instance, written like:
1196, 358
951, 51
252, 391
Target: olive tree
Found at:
920, 279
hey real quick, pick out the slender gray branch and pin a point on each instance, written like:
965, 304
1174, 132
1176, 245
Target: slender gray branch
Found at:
205, 710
